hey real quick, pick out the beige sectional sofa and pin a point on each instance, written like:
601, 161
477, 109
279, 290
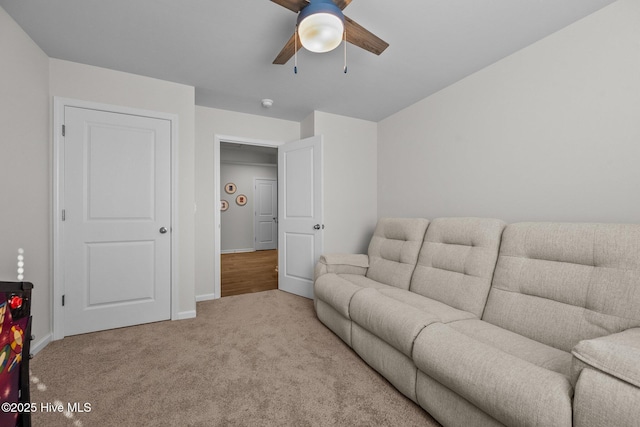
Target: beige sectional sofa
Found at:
487, 324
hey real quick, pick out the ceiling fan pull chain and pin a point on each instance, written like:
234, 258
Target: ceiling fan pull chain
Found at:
295, 52
345, 51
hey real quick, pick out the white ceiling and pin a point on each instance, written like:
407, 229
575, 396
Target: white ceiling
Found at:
226, 48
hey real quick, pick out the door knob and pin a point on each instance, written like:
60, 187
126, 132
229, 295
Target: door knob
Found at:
163, 230
316, 227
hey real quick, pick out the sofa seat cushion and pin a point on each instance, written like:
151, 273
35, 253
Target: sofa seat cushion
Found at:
393, 321
337, 289
516, 345
504, 384
444, 312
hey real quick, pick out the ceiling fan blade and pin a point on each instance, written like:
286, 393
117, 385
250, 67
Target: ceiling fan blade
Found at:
361, 37
288, 50
342, 3
293, 5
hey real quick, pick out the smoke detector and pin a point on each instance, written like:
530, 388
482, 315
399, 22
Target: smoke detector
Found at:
267, 103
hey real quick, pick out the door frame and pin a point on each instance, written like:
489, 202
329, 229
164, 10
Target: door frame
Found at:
57, 198
217, 139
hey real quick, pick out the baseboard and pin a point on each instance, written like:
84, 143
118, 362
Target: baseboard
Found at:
40, 344
205, 297
186, 315
237, 251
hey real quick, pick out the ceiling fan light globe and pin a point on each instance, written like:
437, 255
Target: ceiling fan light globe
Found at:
320, 26
321, 32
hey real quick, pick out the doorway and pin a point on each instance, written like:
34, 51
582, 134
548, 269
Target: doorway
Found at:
248, 218
300, 211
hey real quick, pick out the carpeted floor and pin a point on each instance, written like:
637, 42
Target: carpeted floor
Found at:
260, 359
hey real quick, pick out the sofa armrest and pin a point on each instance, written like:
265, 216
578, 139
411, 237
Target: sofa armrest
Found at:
606, 376
342, 264
617, 355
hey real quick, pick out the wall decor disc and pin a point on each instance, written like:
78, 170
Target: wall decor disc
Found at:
224, 205
230, 188
241, 200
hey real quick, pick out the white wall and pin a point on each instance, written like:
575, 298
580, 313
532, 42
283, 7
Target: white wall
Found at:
24, 167
307, 126
210, 122
551, 132
350, 184
88, 83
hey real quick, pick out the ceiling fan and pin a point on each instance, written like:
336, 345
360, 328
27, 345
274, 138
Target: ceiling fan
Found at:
335, 25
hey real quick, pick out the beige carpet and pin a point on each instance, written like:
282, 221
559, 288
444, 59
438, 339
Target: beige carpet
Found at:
260, 359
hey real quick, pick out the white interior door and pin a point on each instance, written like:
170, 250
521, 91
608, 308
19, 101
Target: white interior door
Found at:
266, 214
300, 206
117, 215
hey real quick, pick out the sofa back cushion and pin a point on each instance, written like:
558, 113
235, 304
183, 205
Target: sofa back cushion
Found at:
394, 249
560, 283
457, 261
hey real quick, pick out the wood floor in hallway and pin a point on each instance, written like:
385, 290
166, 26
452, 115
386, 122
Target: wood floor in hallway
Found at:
247, 272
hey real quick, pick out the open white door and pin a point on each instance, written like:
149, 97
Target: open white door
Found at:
300, 242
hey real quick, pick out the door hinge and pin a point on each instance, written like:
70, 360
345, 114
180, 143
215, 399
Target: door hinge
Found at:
63, 300
64, 130
64, 215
